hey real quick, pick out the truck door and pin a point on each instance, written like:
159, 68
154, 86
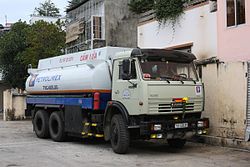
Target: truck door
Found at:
126, 91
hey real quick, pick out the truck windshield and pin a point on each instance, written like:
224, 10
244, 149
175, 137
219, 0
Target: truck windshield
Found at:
169, 71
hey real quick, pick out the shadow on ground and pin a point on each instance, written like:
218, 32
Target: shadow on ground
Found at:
136, 147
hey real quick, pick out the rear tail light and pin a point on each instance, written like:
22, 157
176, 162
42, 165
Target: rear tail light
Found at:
96, 101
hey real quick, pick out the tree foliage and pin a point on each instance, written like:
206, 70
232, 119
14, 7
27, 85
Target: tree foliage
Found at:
25, 44
165, 10
141, 6
47, 8
45, 40
12, 44
168, 10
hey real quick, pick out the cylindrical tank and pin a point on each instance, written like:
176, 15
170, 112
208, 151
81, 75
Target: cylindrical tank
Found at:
89, 77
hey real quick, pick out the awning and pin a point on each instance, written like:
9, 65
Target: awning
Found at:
71, 39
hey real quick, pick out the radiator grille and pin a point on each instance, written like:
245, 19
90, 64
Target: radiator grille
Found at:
172, 107
168, 106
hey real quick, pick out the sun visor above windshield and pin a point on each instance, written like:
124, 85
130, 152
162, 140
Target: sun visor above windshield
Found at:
168, 55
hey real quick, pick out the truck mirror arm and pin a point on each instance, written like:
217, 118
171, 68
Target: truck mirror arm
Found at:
134, 85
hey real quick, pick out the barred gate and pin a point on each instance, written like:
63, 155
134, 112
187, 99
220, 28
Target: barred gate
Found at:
247, 138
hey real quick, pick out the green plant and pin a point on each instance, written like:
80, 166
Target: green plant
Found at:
165, 10
140, 6
168, 10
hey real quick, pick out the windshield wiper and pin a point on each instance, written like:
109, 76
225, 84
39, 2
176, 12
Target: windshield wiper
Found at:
193, 80
183, 78
165, 78
178, 77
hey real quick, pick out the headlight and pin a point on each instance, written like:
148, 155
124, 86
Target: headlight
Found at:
156, 136
156, 127
199, 132
204, 123
200, 124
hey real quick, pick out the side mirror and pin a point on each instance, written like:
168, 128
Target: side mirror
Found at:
29, 66
126, 69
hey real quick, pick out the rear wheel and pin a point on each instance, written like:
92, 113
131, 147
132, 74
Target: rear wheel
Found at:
176, 143
119, 135
56, 127
41, 124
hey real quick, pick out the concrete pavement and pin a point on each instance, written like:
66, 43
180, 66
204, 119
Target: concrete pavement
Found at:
20, 147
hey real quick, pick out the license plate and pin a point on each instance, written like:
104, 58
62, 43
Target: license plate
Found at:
181, 125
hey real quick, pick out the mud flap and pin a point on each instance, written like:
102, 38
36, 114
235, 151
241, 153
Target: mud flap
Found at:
73, 119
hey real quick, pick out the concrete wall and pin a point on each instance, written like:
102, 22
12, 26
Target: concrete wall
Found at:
233, 42
225, 93
197, 26
14, 105
3, 87
120, 24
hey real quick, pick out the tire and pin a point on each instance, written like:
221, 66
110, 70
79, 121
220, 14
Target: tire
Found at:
56, 127
119, 135
176, 143
41, 124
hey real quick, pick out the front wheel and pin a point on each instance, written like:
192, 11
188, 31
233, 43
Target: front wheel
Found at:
119, 135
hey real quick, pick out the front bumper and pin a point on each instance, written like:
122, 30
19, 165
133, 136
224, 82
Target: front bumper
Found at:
174, 128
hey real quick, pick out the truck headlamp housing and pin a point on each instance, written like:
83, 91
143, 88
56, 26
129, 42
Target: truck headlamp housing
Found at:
199, 132
156, 127
200, 124
203, 123
156, 136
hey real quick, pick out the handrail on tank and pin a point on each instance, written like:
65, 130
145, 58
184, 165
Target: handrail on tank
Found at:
92, 66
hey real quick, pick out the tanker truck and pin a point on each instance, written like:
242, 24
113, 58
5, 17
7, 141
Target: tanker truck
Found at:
119, 94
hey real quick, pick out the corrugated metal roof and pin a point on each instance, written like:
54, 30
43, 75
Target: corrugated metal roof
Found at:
76, 6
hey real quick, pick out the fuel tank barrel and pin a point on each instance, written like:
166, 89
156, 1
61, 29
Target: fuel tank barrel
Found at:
87, 71
73, 79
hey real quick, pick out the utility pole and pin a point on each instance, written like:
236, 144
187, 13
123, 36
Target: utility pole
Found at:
6, 20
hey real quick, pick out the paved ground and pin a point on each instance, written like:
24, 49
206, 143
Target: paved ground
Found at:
20, 147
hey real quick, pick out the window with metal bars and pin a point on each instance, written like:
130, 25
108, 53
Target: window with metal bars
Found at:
97, 27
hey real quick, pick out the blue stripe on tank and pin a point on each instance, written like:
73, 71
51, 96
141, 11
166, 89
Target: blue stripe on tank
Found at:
84, 102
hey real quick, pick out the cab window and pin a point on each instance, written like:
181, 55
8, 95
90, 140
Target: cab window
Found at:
132, 70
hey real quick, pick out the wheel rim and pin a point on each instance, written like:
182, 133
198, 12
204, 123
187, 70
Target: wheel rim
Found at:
55, 126
114, 135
